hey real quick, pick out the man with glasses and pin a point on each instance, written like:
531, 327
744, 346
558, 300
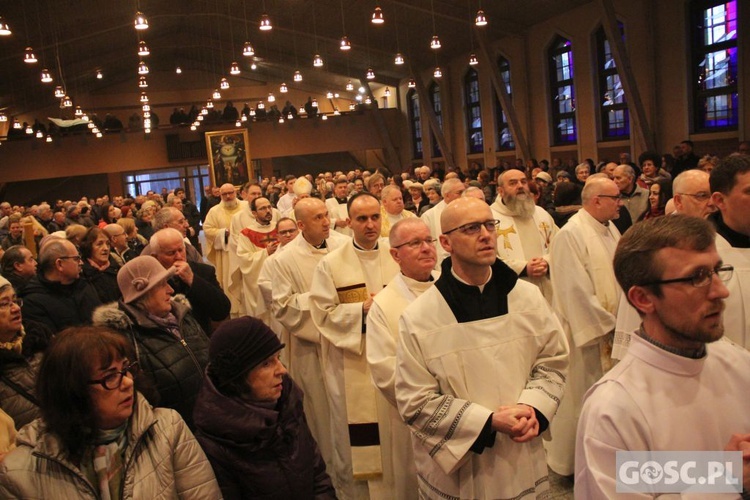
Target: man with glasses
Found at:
586, 297
730, 186
692, 194
56, 296
480, 369
413, 249
675, 372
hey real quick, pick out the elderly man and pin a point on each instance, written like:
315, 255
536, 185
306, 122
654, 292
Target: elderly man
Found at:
475, 396
634, 197
291, 273
525, 231
585, 299
172, 217
337, 207
57, 296
675, 371
692, 194
118, 244
451, 190
18, 266
341, 294
195, 280
193, 216
216, 229
730, 184
391, 208
413, 249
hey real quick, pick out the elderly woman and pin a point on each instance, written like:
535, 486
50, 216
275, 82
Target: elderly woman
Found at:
99, 267
650, 164
21, 348
169, 343
249, 419
98, 437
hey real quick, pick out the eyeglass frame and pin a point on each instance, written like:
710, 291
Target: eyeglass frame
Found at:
414, 244
697, 196
287, 231
616, 197
15, 300
700, 274
463, 227
76, 258
131, 367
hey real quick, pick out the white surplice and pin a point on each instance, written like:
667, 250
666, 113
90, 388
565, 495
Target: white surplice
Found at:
338, 212
219, 251
432, 219
586, 296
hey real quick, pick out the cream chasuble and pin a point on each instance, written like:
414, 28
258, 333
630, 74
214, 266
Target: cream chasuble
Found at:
586, 297
387, 220
219, 253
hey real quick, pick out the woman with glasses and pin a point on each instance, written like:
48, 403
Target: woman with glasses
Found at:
21, 348
98, 437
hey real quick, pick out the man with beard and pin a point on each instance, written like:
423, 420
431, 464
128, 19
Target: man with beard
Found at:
585, 297
216, 229
525, 231
674, 371
254, 244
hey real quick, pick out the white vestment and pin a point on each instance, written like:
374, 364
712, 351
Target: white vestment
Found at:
285, 205
521, 239
399, 472
737, 312
387, 220
654, 400
291, 275
432, 219
586, 296
265, 285
219, 252
336, 212
451, 376
342, 281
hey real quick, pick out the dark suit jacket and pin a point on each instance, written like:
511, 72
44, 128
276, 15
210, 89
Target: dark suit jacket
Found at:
206, 297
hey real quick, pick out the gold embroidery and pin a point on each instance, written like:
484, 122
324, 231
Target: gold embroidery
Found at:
352, 294
545, 229
504, 233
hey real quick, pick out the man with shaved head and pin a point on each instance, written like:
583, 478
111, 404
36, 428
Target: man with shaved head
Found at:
480, 353
586, 297
451, 190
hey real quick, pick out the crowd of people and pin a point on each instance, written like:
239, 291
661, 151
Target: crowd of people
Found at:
375, 335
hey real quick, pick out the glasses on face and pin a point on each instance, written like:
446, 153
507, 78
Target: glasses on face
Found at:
287, 232
698, 196
414, 244
76, 258
7, 304
616, 197
475, 227
700, 278
113, 380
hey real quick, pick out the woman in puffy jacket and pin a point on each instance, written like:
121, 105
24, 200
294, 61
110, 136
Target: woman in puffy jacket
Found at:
98, 438
250, 422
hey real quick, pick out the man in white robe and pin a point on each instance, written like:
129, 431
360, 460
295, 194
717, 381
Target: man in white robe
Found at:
286, 202
679, 387
341, 294
451, 190
337, 207
391, 209
525, 231
216, 230
585, 297
413, 248
255, 243
480, 371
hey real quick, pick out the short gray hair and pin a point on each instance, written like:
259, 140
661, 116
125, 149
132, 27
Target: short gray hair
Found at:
163, 217
154, 244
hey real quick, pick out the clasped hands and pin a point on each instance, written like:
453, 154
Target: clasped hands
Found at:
518, 421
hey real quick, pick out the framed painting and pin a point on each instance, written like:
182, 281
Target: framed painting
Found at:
228, 157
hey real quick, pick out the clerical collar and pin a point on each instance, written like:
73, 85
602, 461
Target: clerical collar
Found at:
481, 287
428, 280
685, 353
341, 201
737, 240
321, 246
364, 249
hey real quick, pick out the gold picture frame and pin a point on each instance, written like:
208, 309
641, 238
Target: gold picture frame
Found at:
228, 157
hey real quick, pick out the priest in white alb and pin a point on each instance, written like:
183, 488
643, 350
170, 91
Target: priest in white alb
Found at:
336, 205
451, 190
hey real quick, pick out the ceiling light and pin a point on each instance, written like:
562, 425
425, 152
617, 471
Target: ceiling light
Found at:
147, 123
352, 107
200, 117
317, 61
437, 73
16, 124
142, 83
435, 42
99, 74
4, 28
290, 116
265, 23
243, 118
141, 23
324, 117
29, 56
283, 88
399, 59
238, 123
147, 130
234, 69
224, 84
39, 134
248, 50
49, 138
271, 97
143, 49
344, 43
473, 61
361, 90
92, 126
387, 92
412, 84
314, 103
193, 127
144, 97
349, 86
329, 95
147, 114
336, 112
146, 107
358, 97
29, 130
302, 110
216, 95
336, 95
46, 76
59, 92
99, 135
368, 100
281, 119
370, 74
297, 76
3, 117
377, 16
204, 111
78, 112
253, 66
480, 20
178, 70
85, 117
142, 68
210, 103
67, 102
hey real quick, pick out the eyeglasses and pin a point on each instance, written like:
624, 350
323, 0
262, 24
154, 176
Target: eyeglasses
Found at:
474, 227
700, 278
414, 244
76, 258
113, 380
6, 304
698, 196
615, 197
